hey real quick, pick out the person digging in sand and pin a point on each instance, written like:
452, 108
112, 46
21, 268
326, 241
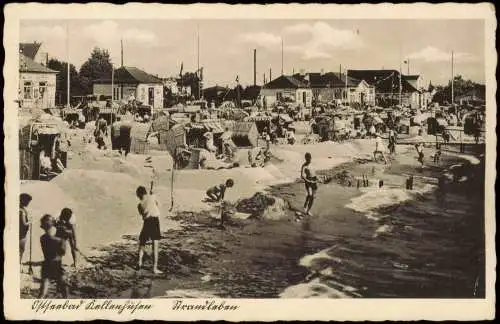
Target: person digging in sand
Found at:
53, 249
307, 174
148, 209
216, 193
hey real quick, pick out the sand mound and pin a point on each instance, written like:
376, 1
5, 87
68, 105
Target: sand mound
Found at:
263, 206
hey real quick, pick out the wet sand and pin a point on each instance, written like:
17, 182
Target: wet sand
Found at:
410, 249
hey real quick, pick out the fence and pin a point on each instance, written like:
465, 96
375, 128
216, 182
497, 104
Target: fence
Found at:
462, 143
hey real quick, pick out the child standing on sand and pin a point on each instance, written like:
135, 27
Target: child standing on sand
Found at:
216, 193
66, 231
148, 209
24, 223
53, 249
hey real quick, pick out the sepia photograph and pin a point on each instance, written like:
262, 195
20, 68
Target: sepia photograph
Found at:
216, 160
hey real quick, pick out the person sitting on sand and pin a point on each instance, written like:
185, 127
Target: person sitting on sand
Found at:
45, 163
53, 249
420, 150
150, 213
66, 231
379, 149
216, 193
308, 174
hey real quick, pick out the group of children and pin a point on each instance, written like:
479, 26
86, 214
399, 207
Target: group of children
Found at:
58, 233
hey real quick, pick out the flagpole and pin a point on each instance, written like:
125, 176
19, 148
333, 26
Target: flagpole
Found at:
400, 80
68, 74
452, 77
348, 100
281, 55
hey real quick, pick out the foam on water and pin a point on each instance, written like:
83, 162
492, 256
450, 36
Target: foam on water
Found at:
309, 260
374, 198
313, 289
188, 293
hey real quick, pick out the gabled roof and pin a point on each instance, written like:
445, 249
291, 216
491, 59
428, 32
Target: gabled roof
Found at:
130, 75
251, 92
26, 64
372, 76
29, 49
285, 82
411, 77
385, 81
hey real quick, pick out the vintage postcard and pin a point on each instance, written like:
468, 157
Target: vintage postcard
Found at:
249, 162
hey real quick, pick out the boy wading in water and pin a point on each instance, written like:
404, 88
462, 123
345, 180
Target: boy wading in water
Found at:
148, 209
53, 249
216, 193
311, 182
24, 223
66, 231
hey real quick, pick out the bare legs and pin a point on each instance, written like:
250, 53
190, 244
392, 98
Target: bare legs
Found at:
309, 200
155, 256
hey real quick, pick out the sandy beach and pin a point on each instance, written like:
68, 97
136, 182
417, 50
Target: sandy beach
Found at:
357, 241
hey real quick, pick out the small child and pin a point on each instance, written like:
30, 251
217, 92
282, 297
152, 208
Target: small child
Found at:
216, 193
437, 155
53, 249
66, 231
420, 150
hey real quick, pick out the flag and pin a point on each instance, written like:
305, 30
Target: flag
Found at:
237, 79
405, 62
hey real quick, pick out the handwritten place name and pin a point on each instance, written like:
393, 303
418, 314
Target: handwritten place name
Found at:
44, 306
209, 305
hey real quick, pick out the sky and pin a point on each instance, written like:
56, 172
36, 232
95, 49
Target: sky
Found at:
226, 46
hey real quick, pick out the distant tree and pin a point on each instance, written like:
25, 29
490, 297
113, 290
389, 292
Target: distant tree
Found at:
460, 87
192, 81
62, 80
97, 66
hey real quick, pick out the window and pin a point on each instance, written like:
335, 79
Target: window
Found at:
28, 88
116, 93
42, 87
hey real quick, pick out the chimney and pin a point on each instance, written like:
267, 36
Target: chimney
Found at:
270, 75
254, 67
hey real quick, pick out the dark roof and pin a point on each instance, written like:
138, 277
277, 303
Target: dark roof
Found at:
285, 82
385, 81
29, 49
130, 75
26, 64
372, 76
410, 77
251, 92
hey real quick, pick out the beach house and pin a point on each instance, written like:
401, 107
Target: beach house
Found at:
37, 84
131, 83
286, 87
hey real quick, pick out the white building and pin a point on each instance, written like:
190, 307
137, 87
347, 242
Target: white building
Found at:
131, 82
286, 87
37, 84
